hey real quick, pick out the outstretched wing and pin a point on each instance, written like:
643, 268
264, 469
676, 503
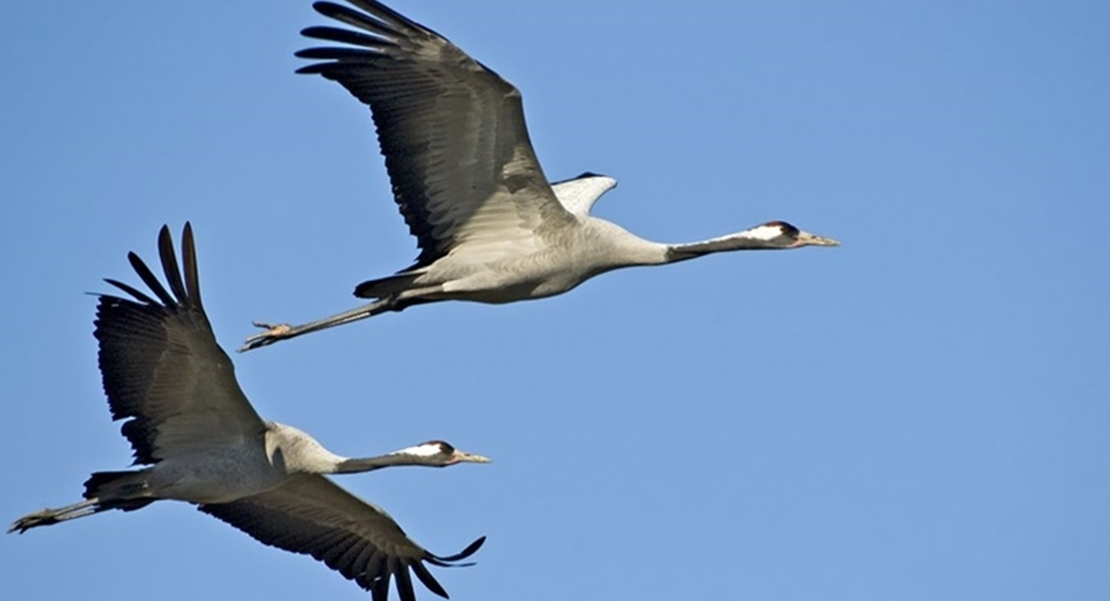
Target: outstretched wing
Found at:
452, 131
162, 368
312, 515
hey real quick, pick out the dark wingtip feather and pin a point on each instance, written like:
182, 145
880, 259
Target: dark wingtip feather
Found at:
310, 69
379, 24
380, 590
169, 265
192, 274
404, 585
428, 580
468, 551
335, 53
449, 561
134, 292
148, 278
343, 36
385, 13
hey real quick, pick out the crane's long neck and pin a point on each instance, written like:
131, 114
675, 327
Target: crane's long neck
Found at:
297, 452
761, 237
368, 464
625, 248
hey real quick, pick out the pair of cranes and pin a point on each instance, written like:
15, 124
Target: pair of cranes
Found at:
490, 228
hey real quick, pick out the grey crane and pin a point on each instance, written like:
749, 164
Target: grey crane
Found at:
203, 443
489, 226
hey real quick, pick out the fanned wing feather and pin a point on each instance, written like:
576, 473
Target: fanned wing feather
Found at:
452, 131
162, 368
310, 514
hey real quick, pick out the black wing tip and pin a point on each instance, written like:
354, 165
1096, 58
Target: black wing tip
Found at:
370, 7
182, 292
370, 16
171, 269
189, 260
473, 547
136, 294
373, 14
313, 69
450, 561
147, 276
324, 32
428, 580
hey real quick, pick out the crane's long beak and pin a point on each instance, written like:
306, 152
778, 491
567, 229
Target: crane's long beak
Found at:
462, 456
808, 239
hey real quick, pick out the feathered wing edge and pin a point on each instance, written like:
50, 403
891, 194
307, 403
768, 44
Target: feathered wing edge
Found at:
426, 93
160, 363
185, 293
127, 373
313, 516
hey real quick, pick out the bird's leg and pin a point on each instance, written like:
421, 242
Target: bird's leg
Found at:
46, 517
278, 332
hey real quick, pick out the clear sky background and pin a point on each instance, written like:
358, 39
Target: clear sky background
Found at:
921, 413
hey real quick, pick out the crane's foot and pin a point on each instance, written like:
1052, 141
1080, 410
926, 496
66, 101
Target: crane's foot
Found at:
46, 517
272, 334
39, 518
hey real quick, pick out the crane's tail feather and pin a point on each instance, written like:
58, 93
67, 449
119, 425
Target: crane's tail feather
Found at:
387, 286
119, 489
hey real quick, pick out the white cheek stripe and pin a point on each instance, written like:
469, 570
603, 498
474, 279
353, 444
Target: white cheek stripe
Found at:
424, 450
763, 232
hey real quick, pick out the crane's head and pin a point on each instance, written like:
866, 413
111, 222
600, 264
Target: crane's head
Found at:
438, 453
780, 234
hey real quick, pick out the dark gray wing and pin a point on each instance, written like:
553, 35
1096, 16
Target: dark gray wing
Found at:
452, 131
161, 366
310, 514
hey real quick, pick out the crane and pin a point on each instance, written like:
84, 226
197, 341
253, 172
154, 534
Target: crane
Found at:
189, 422
489, 225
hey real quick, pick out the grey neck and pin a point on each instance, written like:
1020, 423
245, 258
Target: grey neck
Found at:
367, 464
683, 252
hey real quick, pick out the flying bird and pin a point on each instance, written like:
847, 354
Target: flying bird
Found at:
202, 442
489, 225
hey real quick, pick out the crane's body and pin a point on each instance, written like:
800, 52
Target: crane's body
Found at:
465, 177
219, 473
503, 271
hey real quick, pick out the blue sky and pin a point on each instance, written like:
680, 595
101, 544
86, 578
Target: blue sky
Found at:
919, 414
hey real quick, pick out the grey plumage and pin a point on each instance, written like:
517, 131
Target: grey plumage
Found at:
201, 441
489, 226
